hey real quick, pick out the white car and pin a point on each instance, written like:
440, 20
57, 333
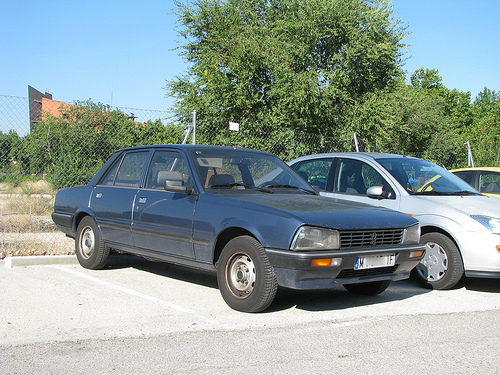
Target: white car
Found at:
460, 226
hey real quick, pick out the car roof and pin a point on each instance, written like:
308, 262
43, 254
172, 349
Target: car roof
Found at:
487, 169
188, 147
359, 155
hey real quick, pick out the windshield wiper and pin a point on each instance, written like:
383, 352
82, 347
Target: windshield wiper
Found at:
434, 192
246, 186
465, 192
293, 187
430, 192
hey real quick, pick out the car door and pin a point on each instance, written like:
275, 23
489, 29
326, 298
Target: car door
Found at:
113, 198
163, 221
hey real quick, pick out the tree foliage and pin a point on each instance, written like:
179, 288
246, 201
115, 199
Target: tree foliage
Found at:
70, 147
9, 149
484, 132
299, 64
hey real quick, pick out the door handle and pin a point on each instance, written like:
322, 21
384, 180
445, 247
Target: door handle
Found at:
143, 200
98, 195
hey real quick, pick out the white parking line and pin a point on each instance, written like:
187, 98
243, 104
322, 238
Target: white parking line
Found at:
128, 291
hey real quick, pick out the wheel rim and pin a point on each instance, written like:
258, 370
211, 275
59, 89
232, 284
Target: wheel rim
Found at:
434, 264
240, 275
87, 242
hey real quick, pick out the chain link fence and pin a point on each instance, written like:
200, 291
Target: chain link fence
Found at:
46, 145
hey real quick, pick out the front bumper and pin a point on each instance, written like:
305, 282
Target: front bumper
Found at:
293, 269
479, 253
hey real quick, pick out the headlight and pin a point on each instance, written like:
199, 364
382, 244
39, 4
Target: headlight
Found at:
313, 238
489, 222
411, 235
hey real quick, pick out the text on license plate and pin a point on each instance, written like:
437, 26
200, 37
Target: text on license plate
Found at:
375, 261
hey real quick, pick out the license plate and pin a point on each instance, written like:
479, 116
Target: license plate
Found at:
375, 261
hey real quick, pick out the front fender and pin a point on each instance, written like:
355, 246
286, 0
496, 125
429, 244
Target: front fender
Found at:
212, 225
456, 227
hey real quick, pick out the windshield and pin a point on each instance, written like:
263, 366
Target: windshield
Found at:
420, 177
237, 169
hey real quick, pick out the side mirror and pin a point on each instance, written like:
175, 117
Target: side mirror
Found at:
377, 192
177, 186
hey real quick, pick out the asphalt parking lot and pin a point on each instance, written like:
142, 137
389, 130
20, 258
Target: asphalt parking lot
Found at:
133, 296
135, 299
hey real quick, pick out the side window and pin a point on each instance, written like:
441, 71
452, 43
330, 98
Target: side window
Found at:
355, 177
163, 165
349, 177
127, 171
489, 182
465, 175
109, 178
315, 171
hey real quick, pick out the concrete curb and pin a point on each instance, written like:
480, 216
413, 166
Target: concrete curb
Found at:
39, 260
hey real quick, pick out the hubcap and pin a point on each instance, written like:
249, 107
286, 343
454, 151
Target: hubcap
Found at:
87, 241
434, 264
240, 275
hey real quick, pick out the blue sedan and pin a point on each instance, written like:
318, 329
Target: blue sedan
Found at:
241, 213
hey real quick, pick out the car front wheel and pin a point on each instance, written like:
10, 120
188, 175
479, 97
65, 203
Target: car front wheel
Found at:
442, 265
89, 247
245, 276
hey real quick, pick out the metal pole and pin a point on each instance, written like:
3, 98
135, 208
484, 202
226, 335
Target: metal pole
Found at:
356, 142
470, 159
188, 131
194, 127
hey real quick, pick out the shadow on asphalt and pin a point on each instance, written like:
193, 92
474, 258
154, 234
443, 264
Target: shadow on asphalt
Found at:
482, 285
337, 298
191, 275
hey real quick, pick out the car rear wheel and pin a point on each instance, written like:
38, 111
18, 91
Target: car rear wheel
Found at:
442, 266
245, 276
89, 247
371, 288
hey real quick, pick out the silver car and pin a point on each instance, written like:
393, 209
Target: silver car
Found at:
460, 226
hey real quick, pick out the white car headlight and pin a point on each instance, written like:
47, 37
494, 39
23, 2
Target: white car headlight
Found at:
411, 235
314, 238
491, 223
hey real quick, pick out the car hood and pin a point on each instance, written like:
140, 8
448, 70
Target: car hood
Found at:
322, 211
469, 205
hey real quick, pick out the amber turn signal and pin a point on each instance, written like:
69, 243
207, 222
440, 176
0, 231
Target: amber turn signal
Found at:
417, 254
326, 262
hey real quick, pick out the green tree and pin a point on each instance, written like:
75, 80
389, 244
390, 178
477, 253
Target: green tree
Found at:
296, 64
426, 79
448, 141
457, 104
484, 133
72, 146
8, 144
401, 119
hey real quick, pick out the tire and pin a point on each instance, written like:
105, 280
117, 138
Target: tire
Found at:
245, 276
89, 246
371, 288
442, 266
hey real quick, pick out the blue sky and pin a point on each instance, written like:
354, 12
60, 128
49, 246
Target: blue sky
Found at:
122, 52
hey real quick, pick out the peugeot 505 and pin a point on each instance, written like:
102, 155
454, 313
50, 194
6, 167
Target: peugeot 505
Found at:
243, 214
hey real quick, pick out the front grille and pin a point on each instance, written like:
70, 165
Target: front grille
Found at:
344, 274
372, 238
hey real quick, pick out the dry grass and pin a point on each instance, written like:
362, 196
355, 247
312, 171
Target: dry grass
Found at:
26, 227
26, 244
